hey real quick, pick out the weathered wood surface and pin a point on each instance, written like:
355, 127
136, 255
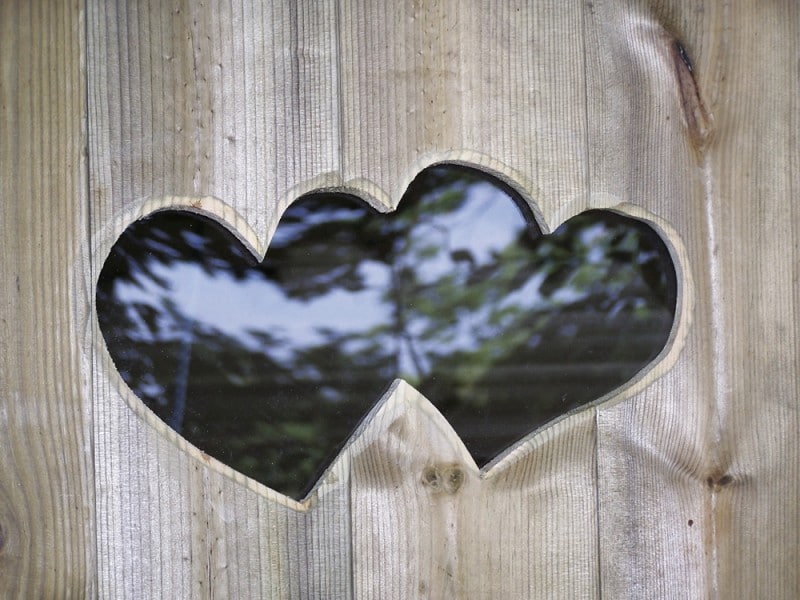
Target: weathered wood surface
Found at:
682, 485
46, 484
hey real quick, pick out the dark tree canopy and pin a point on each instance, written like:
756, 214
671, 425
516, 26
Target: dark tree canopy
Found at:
457, 292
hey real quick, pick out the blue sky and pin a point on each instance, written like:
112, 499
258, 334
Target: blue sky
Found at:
487, 221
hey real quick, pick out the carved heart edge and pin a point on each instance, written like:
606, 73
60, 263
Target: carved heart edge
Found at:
400, 397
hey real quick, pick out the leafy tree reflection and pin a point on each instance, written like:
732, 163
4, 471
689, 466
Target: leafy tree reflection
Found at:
503, 329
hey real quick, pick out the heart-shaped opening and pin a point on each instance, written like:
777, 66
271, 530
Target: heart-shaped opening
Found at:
268, 367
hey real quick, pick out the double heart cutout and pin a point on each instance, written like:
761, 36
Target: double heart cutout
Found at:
268, 367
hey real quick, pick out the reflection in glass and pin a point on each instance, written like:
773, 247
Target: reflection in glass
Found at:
268, 367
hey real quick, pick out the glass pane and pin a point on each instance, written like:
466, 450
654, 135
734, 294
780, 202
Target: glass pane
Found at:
268, 367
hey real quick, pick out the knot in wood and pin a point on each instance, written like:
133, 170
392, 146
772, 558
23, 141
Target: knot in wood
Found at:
443, 478
717, 482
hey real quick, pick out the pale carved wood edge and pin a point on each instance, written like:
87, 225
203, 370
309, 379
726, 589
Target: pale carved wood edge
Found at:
400, 397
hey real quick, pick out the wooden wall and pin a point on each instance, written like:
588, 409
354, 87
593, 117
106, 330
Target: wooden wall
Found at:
683, 484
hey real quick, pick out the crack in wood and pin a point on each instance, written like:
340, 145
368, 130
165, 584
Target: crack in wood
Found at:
699, 120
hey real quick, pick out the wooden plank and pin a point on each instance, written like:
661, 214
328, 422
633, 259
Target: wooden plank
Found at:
534, 524
498, 86
755, 227
233, 100
694, 119
224, 108
46, 480
411, 484
653, 448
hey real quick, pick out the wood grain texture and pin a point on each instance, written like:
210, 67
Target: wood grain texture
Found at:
715, 434
754, 221
683, 113
46, 480
654, 451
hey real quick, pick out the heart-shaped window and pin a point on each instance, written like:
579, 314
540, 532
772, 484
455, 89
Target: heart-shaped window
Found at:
268, 367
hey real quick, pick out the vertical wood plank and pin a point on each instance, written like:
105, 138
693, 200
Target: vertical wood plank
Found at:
228, 107
411, 476
535, 520
494, 85
235, 100
708, 144
653, 449
46, 490
756, 225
